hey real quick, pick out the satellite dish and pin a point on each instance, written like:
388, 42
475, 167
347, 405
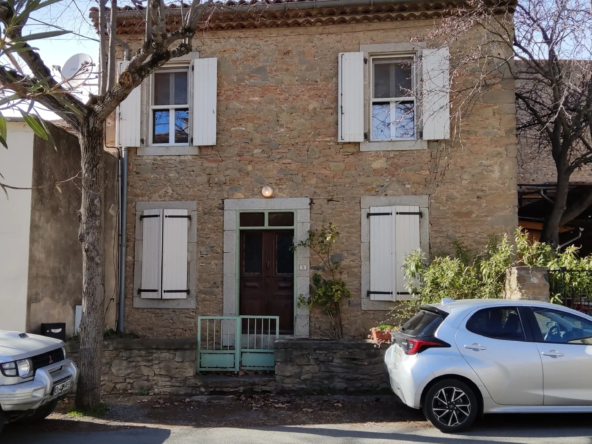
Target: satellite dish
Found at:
77, 70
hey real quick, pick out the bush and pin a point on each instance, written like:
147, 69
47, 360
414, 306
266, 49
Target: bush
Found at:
483, 275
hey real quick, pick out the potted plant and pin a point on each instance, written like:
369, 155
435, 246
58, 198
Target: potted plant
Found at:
382, 333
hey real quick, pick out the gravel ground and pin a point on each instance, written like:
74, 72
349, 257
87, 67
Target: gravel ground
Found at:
227, 411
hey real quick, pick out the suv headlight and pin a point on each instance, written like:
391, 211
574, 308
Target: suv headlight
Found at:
25, 368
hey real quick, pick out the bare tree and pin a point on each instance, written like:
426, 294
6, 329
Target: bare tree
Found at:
545, 46
88, 122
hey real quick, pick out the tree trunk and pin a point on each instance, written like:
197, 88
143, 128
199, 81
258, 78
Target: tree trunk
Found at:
550, 234
88, 393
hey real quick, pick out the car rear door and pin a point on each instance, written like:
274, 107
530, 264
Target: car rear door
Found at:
564, 341
502, 353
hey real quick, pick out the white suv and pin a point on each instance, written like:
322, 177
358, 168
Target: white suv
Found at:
34, 375
460, 359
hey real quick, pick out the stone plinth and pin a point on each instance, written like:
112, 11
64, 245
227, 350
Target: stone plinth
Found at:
531, 283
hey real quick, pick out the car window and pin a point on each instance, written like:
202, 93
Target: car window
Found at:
497, 323
560, 327
424, 323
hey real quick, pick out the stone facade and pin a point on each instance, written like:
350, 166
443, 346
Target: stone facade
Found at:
308, 365
277, 126
530, 283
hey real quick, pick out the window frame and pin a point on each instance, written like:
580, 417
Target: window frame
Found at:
171, 107
266, 225
371, 99
190, 300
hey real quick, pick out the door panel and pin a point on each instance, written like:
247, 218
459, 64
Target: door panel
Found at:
564, 341
509, 368
267, 276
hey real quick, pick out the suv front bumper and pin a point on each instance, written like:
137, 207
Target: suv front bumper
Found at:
33, 394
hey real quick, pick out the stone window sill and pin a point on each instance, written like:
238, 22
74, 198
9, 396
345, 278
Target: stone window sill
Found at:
168, 151
397, 145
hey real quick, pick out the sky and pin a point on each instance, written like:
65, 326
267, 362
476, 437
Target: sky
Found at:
70, 15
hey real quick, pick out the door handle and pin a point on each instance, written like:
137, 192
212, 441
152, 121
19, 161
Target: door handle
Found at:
553, 354
475, 347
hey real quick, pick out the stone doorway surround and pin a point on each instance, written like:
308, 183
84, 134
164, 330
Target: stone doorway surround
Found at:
301, 208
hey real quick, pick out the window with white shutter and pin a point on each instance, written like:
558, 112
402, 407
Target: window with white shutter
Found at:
174, 254
151, 254
351, 97
127, 123
164, 254
394, 233
436, 94
205, 85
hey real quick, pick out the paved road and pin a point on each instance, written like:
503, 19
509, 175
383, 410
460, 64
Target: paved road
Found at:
556, 429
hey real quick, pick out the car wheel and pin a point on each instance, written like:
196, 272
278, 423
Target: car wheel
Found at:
41, 413
451, 406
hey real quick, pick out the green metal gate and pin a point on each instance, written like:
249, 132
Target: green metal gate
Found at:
233, 343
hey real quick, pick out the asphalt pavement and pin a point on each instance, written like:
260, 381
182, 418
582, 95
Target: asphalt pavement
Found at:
539, 429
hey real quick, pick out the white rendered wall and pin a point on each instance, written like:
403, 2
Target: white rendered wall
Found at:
16, 165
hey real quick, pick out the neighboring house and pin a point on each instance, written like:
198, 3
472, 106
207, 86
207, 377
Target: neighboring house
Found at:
268, 99
41, 260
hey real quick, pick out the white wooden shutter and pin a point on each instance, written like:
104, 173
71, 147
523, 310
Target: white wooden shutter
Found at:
151, 254
436, 94
174, 254
205, 87
351, 97
406, 241
382, 259
128, 114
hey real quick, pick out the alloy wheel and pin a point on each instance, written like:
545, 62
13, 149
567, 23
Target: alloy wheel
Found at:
451, 406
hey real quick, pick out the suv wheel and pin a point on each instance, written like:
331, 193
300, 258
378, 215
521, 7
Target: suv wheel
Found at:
451, 406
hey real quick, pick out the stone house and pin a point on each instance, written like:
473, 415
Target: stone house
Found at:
298, 96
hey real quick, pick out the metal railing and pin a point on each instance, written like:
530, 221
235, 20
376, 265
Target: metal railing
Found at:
573, 287
232, 343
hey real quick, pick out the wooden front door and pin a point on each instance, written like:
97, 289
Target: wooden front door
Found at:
267, 275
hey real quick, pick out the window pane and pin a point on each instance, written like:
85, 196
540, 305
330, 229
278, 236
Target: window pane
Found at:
403, 85
161, 126
405, 120
559, 327
424, 323
392, 78
497, 323
252, 219
162, 89
281, 219
381, 121
181, 126
180, 79
253, 252
284, 255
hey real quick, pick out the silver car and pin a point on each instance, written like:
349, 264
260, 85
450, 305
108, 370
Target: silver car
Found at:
460, 359
34, 374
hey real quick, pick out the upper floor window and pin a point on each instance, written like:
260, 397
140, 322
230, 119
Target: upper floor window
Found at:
170, 108
393, 98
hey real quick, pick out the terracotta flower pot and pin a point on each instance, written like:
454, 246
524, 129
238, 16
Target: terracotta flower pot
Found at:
381, 335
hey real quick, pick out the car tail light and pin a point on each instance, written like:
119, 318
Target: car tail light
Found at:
415, 346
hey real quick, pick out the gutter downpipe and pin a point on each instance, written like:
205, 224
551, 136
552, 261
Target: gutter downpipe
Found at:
122, 237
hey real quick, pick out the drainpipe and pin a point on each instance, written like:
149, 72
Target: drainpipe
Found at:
572, 240
122, 238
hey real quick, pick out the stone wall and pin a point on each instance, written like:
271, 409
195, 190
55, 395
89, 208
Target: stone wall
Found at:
277, 126
530, 283
313, 365
168, 366
159, 366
